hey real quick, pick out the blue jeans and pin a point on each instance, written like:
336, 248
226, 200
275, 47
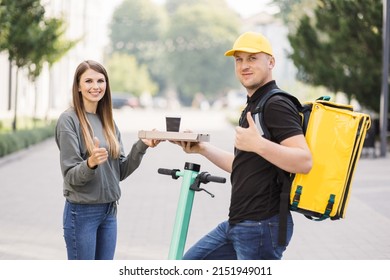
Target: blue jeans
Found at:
90, 231
248, 240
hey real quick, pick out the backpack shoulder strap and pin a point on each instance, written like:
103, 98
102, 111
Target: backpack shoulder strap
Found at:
258, 116
283, 178
273, 92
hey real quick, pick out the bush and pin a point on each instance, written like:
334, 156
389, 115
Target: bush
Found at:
11, 142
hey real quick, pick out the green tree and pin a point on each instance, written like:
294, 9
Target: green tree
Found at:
182, 46
127, 76
50, 45
340, 48
22, 21
199, 34
3, 23
291, 11
30, 39
138, 28
4, 30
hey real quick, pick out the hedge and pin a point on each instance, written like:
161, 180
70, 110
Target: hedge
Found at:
11, 142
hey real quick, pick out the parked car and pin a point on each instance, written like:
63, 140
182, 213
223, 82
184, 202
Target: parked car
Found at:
119, 101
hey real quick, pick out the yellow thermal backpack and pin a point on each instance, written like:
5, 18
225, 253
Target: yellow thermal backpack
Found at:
335, 134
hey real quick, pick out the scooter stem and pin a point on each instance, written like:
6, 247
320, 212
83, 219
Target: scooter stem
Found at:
183, 212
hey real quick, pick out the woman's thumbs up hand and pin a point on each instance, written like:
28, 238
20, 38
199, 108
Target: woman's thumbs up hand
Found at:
99, 155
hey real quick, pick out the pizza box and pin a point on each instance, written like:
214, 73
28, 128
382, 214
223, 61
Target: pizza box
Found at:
174, 136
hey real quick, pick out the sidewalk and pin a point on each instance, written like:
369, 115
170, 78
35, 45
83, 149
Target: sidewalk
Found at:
31, 205
364, 233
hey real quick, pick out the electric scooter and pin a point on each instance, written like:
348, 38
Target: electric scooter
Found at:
190, 184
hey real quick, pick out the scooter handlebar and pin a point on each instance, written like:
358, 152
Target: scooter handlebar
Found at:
205, 177
170, 172
165, 171
215, 179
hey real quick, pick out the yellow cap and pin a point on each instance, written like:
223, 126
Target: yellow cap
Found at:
251, 42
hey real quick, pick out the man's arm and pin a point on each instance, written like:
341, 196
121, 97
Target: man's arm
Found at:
292, 155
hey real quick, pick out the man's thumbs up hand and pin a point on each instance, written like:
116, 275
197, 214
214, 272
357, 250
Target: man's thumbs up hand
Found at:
248, 139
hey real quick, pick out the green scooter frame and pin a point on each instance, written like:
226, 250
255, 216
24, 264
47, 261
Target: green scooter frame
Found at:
190, 183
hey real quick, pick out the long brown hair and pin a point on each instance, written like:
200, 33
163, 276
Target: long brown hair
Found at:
104, 110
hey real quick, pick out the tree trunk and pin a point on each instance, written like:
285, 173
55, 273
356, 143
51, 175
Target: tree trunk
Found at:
14, 124
10, 86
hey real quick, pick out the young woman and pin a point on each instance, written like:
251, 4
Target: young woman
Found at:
93, 163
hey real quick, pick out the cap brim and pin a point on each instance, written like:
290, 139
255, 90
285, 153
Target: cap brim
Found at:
248, 50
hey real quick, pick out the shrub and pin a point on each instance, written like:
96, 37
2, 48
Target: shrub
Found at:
11, 142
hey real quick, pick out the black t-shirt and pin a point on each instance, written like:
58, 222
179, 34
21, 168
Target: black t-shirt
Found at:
255, 191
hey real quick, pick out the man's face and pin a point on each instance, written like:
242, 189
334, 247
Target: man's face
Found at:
253, 70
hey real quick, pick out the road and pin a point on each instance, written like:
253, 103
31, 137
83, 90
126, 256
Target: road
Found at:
32, 203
